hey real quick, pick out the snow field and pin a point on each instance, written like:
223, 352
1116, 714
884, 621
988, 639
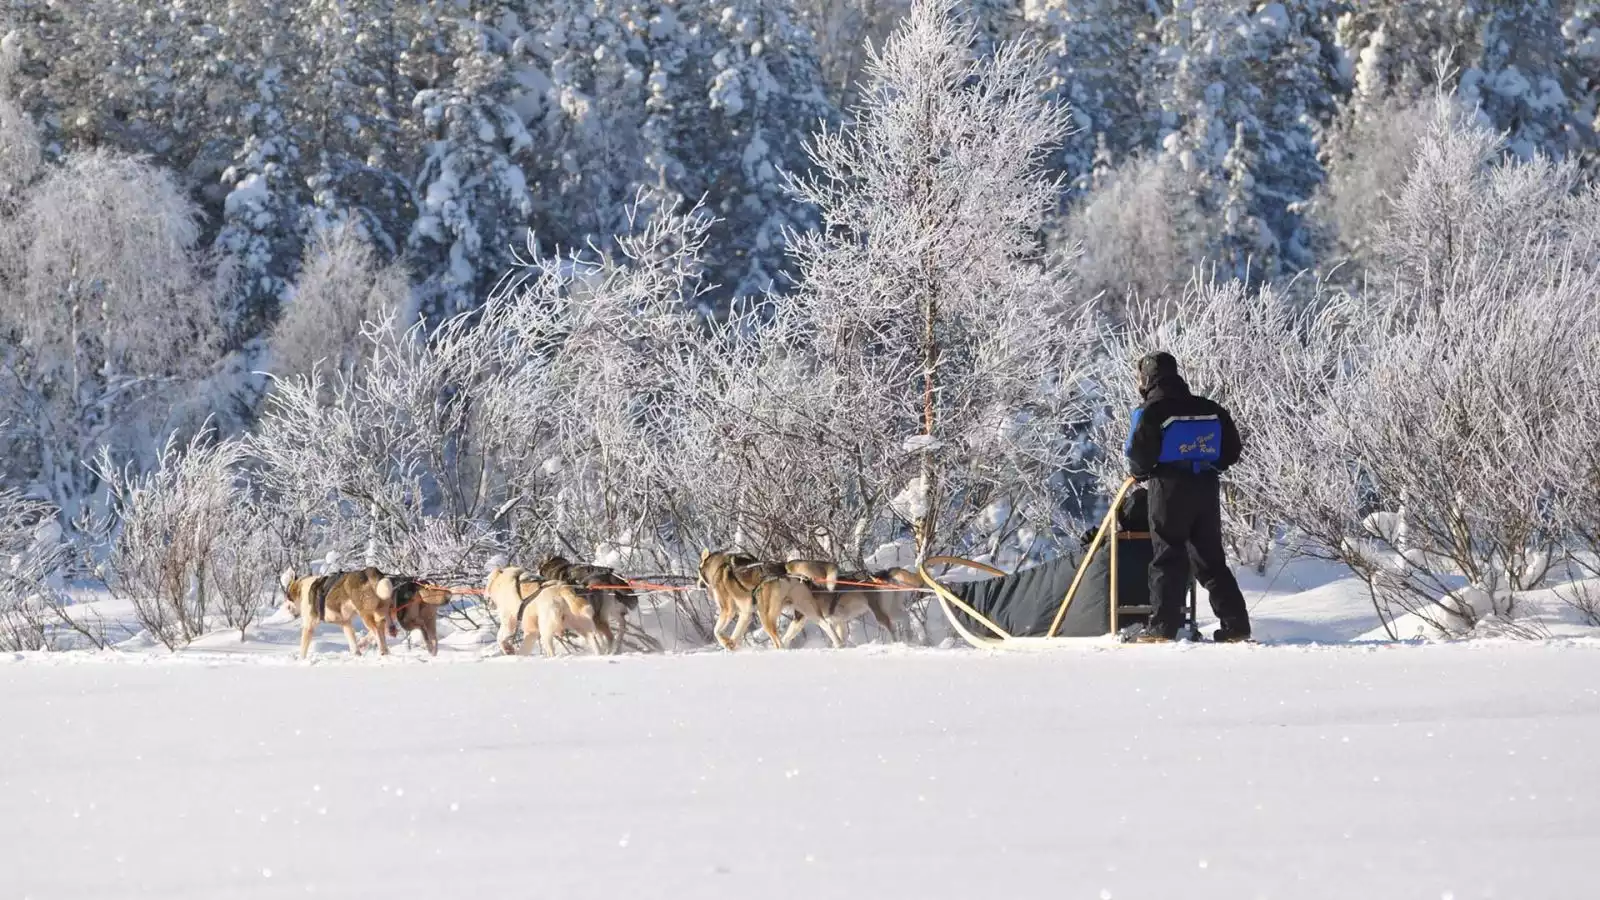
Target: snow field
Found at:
1459, 771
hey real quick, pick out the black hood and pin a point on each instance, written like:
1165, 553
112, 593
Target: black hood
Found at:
1159, 378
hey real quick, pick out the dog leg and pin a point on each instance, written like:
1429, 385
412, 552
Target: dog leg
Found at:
616, 637
832, 630
797, 625
375, 625
880, 611
740, 627
508, 627
724, 616
550, 623
305, 637
430, 636
350, 635
530, 636
769, 622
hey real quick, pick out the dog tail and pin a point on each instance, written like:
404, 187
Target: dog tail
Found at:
384, 588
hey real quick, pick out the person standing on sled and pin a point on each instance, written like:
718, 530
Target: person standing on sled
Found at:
1178, 445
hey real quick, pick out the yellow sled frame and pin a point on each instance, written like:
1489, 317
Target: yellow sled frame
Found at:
1001, 639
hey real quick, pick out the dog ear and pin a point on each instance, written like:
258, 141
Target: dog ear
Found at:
287, 578
704, 554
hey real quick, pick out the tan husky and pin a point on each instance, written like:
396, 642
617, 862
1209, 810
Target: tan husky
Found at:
543, 610
740, 583
340, 599
853, 600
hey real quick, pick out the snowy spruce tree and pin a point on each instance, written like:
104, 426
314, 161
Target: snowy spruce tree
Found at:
694, 101
1100, 52
259, 215
932, 346
473, 193
1241, 94
1508, 61
357, 136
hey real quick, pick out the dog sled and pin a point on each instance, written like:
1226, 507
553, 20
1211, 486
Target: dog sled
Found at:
1105, 592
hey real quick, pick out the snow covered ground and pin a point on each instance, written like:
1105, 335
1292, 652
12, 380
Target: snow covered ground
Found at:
1320, 764
1459, 771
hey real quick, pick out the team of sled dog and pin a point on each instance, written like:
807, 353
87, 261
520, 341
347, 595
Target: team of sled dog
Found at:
593, 602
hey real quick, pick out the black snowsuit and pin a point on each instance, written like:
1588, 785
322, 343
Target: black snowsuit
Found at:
1185, 508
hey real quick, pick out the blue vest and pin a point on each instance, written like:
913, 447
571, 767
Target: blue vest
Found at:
1195, 441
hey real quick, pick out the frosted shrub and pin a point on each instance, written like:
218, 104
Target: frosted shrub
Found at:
1260, 354
600, 362
31, 558
362, 461
166, 532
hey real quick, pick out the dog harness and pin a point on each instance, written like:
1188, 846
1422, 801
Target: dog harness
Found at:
539, 583
320, 592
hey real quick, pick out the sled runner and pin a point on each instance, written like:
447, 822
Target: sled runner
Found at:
1107, 591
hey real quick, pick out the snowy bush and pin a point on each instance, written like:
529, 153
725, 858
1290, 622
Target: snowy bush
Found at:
342, 286
601, 362
1259, 353
1139, 234
178, 540
32, 556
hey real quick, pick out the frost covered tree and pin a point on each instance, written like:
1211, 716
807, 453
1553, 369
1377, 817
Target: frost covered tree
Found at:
342, 286
931, 336
842, 30
1368, 155
472, 192
359, 133
1139, 234
1506, 59
259, 215
108, 312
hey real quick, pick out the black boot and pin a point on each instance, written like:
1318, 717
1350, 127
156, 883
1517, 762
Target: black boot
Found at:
1145, 634
1231, 634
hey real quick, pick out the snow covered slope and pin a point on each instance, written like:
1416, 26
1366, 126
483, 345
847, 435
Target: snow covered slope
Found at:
1459, 771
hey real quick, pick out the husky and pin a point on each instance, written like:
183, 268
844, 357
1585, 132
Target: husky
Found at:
606, 591
843, 605
340, 599
741, 583
822, 575
416, 608
543, 610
